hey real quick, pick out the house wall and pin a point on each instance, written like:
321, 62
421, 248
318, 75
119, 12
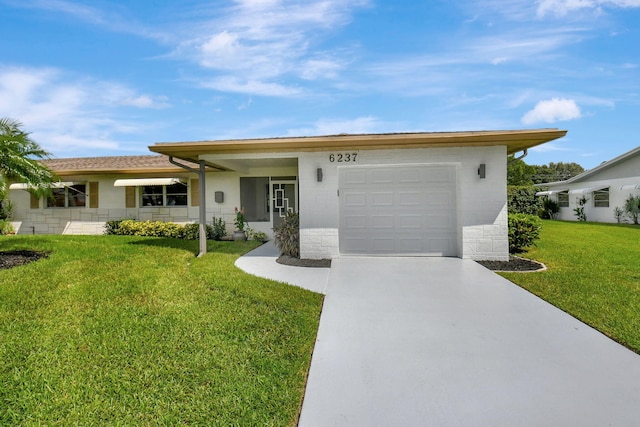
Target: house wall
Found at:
617, 198
481, 207
85, 220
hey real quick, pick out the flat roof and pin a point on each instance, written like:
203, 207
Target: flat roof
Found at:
514, 140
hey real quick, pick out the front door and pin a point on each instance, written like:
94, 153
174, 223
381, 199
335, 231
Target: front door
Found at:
284, 198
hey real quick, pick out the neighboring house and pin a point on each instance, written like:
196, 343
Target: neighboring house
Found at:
418, 194
604, 188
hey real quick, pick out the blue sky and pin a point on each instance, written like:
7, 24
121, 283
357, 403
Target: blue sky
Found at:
97, 78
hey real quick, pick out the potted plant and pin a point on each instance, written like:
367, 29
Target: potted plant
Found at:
239, 233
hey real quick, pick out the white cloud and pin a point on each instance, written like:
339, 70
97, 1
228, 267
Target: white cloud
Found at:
551, 111
65, 113
564, 7
255, 44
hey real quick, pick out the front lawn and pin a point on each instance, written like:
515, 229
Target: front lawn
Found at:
116, 330
594, 275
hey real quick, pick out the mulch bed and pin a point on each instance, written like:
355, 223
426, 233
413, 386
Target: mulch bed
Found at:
515, 264
297, 262
10, 259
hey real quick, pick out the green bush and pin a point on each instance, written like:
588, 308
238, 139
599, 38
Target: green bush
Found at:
6, 227
523, 200
632, 208
524, 230
550, 209
130, 227
287, 235
219, 229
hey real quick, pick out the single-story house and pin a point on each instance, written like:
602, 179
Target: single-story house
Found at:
418, 194
604, 188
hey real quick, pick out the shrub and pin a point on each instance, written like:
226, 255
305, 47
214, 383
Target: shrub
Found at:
6, 227
287, 235
550, 209
618, 214
130, 227
219, 229
524, 230
111, 227
579, 211
632, 208
523, 200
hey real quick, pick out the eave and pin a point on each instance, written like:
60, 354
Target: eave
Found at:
514, 140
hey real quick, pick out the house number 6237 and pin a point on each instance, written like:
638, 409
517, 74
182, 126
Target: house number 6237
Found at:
342, 157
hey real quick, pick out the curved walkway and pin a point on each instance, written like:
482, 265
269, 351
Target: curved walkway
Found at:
446, 342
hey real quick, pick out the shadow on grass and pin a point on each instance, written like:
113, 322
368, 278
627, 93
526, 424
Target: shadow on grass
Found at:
193, 246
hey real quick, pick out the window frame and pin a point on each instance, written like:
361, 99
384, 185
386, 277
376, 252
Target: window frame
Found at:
602, 203
165, 196
563, 203
70, 195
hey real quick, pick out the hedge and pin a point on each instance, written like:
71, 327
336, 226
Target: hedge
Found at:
130, 227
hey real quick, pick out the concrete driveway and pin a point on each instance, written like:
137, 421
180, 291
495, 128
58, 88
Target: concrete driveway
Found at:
445, 342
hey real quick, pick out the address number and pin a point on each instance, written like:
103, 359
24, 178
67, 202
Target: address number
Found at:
343, 157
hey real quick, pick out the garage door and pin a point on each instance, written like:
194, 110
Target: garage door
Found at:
398, 210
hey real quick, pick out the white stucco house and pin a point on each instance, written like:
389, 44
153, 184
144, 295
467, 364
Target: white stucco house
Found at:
416, 194
604, 187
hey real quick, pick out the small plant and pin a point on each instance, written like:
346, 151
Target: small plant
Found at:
550, 209
618, 214
632, 208
240, 219
287, 235
219, 229
6, 227
579, 211
524, 230
6, 209
259, 236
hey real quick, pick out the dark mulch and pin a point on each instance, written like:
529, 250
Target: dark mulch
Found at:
515, 264
297, 262
10, 259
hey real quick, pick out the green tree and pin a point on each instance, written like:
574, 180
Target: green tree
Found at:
518, 172
19, 156
555, 172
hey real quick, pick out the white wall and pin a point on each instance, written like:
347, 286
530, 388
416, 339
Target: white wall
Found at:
482, 211
617, 198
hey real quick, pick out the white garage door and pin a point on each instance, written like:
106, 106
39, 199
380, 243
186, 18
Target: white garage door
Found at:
398, 210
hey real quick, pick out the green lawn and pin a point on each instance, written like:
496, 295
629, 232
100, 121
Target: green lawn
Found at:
594, 275
115, 330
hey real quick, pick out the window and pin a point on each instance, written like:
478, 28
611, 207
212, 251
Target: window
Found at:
601, 198
73, 196
254, 198
563, 199
164, 195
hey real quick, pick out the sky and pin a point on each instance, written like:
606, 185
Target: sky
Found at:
98, 78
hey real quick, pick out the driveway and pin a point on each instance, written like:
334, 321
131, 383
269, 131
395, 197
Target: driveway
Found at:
446, 342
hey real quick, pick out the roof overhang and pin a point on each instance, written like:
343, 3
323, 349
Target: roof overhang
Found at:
147, 181
514, 140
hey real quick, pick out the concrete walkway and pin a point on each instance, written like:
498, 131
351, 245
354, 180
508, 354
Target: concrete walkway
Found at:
445, 342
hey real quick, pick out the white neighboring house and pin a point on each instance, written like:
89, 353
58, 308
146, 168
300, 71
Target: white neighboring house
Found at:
413, 194
604, 187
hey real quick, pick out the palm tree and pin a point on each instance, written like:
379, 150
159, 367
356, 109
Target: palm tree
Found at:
19, 157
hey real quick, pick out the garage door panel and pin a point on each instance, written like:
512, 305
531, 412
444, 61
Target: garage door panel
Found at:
381, 222
355, 199
398, 210
382, 199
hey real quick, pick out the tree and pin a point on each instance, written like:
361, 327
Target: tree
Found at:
518, 172
19, 156
555, 172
